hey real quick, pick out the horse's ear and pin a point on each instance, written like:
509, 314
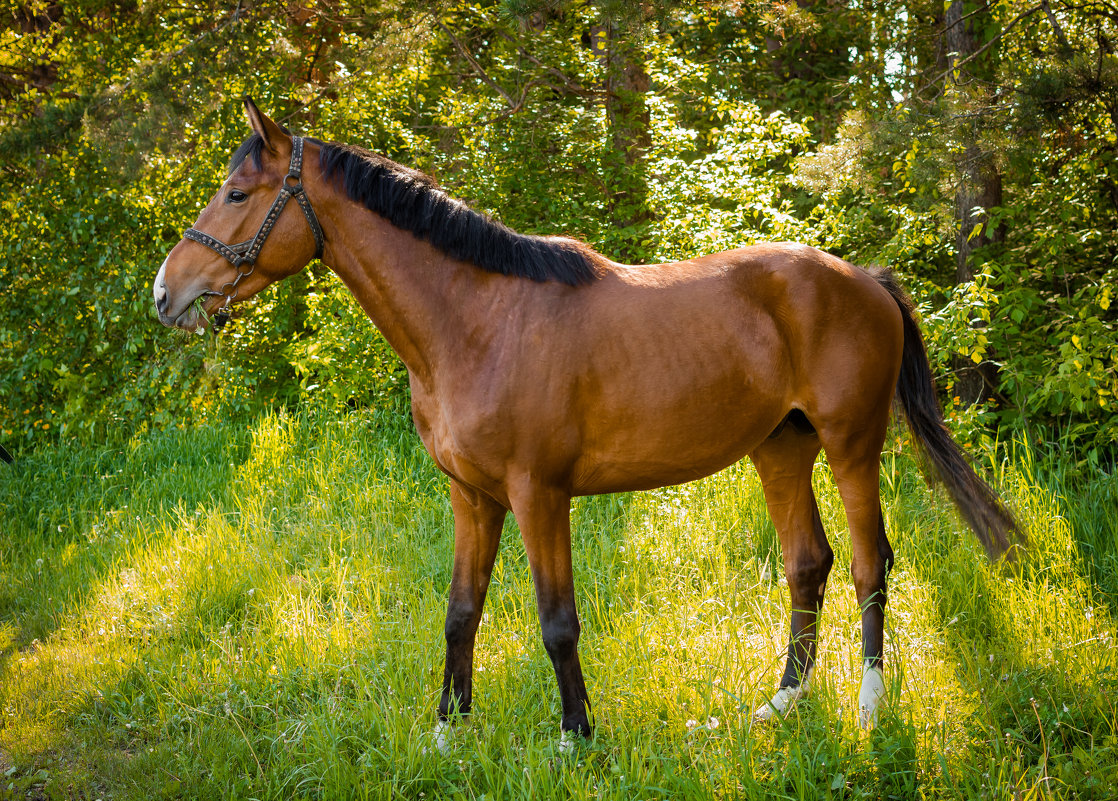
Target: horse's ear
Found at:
262, 124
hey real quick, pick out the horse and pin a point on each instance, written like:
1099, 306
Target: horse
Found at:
540, 370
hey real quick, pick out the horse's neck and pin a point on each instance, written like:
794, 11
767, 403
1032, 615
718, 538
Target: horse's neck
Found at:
421, 300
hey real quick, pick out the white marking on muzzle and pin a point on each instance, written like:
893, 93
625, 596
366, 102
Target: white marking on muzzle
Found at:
159, 288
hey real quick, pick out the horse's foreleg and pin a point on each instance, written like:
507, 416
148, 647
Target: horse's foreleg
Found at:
784, 464
477, 533
544, 517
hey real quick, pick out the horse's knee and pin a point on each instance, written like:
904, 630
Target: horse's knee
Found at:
885, 551
871, 565
560, 634
807, 576
461, 622
869, 579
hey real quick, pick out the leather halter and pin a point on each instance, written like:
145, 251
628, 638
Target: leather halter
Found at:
246, 253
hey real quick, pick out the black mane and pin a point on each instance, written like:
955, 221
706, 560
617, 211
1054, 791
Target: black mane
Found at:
413, 202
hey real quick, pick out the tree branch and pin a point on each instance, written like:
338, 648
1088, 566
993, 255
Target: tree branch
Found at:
963, 18
492, 84
1059, 31
112, 93
567, 83
370, 44
19, 82
1108, 10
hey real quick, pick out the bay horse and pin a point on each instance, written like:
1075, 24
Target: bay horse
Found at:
540, 370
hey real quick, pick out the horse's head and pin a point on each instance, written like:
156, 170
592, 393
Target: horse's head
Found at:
248, 209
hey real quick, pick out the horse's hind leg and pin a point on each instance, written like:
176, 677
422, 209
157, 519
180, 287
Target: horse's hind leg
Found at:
477, 533
784, 463
855, 459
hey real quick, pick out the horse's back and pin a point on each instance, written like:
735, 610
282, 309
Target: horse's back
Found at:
810, 300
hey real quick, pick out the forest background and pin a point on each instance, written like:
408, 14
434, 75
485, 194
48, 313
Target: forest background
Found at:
970, 146
223, 561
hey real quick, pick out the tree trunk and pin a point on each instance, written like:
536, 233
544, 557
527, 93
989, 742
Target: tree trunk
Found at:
979, 182
627, 82
628, 119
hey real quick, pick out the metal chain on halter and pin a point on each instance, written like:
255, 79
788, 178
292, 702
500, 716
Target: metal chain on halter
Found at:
246, 253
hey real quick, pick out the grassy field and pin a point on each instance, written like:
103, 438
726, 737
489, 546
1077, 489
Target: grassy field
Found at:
233, 612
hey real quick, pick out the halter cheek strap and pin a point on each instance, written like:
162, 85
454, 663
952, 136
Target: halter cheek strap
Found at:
244, 254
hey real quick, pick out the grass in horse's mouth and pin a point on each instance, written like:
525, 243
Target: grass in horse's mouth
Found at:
199, 306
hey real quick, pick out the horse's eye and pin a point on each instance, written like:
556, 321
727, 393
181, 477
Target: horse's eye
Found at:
237, 196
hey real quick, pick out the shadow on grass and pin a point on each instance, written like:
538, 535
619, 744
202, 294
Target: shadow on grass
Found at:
71, 512
1031, 643
333, 492
1093, 517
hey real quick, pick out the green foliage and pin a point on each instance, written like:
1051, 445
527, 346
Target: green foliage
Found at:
722, 189
76, 327
1039, 306
199, 600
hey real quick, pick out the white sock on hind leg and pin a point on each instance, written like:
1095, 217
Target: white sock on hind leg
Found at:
869, 698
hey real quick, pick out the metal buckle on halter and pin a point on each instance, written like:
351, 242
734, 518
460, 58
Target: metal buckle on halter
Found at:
222, 315
220, 318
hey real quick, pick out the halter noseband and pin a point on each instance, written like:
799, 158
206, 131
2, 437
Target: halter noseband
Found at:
246, 252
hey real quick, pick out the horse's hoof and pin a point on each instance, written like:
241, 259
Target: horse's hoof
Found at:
784, 700
779, 704
569, 742
869, 698
442, 738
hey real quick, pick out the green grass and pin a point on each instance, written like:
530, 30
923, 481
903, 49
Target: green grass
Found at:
235, 612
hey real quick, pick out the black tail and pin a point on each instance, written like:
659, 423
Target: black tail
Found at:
980, 506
